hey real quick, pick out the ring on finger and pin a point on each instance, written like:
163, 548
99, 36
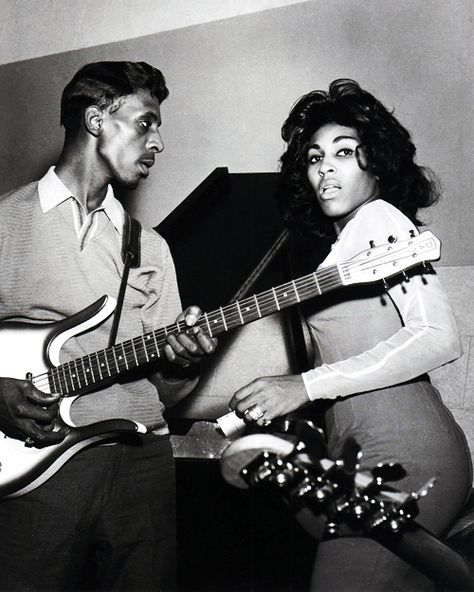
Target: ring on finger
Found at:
254, 413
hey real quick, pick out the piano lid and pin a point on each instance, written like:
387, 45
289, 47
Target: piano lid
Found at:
219, 234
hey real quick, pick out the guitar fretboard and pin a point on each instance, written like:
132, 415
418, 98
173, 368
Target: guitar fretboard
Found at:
103, 366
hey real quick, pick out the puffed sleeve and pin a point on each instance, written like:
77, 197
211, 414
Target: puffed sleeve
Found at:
427, 338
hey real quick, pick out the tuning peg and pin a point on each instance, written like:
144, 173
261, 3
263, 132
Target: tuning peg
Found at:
424, 489
389, 472
350, 456
312, 439
372, 244
331, 529
412, 234
405, 277
392, 238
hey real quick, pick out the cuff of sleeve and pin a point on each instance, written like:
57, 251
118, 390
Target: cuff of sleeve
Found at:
308, 377
319, 384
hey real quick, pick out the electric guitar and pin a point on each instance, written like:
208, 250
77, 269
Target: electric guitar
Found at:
33, 351
352, 502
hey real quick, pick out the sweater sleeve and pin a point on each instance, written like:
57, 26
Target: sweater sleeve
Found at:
428, 338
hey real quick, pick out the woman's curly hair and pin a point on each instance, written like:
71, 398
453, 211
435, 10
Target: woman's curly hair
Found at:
385, 143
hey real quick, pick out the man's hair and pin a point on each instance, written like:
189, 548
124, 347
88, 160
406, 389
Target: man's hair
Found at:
103, 84
386, 145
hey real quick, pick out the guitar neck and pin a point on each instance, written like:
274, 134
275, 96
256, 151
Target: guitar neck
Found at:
101, 367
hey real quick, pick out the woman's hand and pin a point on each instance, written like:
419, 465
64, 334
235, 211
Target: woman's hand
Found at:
265, 399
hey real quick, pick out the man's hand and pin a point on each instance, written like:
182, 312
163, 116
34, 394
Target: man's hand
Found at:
267, 398
189, 348
26, 412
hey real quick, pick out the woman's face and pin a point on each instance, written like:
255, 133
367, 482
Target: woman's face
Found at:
340, 185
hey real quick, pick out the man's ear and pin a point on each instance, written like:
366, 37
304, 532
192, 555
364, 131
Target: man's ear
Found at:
93, 118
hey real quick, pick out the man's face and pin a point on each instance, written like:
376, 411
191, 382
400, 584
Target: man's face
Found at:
130, 138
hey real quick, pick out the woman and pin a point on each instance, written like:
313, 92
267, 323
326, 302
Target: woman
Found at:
350, 178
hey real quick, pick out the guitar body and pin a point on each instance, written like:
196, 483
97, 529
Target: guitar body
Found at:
34, 349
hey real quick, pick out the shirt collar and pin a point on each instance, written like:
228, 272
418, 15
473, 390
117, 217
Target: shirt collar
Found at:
53, 192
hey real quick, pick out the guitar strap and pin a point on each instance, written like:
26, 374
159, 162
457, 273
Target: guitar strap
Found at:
131, 259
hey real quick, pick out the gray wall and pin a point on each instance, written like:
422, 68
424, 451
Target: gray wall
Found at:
233, 81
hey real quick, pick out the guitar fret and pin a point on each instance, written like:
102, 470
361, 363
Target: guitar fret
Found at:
144, 348
258, 307
148, 346
134, 352
73, 376
124, 356
223, 318
115, 360
240, 313
90, 368
84, 371
156, 344
65, 378
52, 381
296, 291
276, 299
104, 353
76, 374
206, 318
98, 366
141, 359
317, 283
62, 381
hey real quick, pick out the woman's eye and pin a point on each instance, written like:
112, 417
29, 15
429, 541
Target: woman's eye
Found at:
144, 123
345, 152
314, 158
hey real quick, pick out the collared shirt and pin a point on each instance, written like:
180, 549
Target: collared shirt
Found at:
53, 192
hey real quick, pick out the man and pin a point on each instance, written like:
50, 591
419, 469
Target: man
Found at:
106, 518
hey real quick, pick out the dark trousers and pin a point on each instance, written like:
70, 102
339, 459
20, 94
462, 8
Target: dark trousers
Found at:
105, 521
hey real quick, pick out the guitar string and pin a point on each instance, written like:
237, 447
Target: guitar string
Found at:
160, 334
87, 364
327, 278
130, 347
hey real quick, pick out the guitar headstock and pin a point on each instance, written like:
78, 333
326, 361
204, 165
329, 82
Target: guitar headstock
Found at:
380, 262
347, 496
